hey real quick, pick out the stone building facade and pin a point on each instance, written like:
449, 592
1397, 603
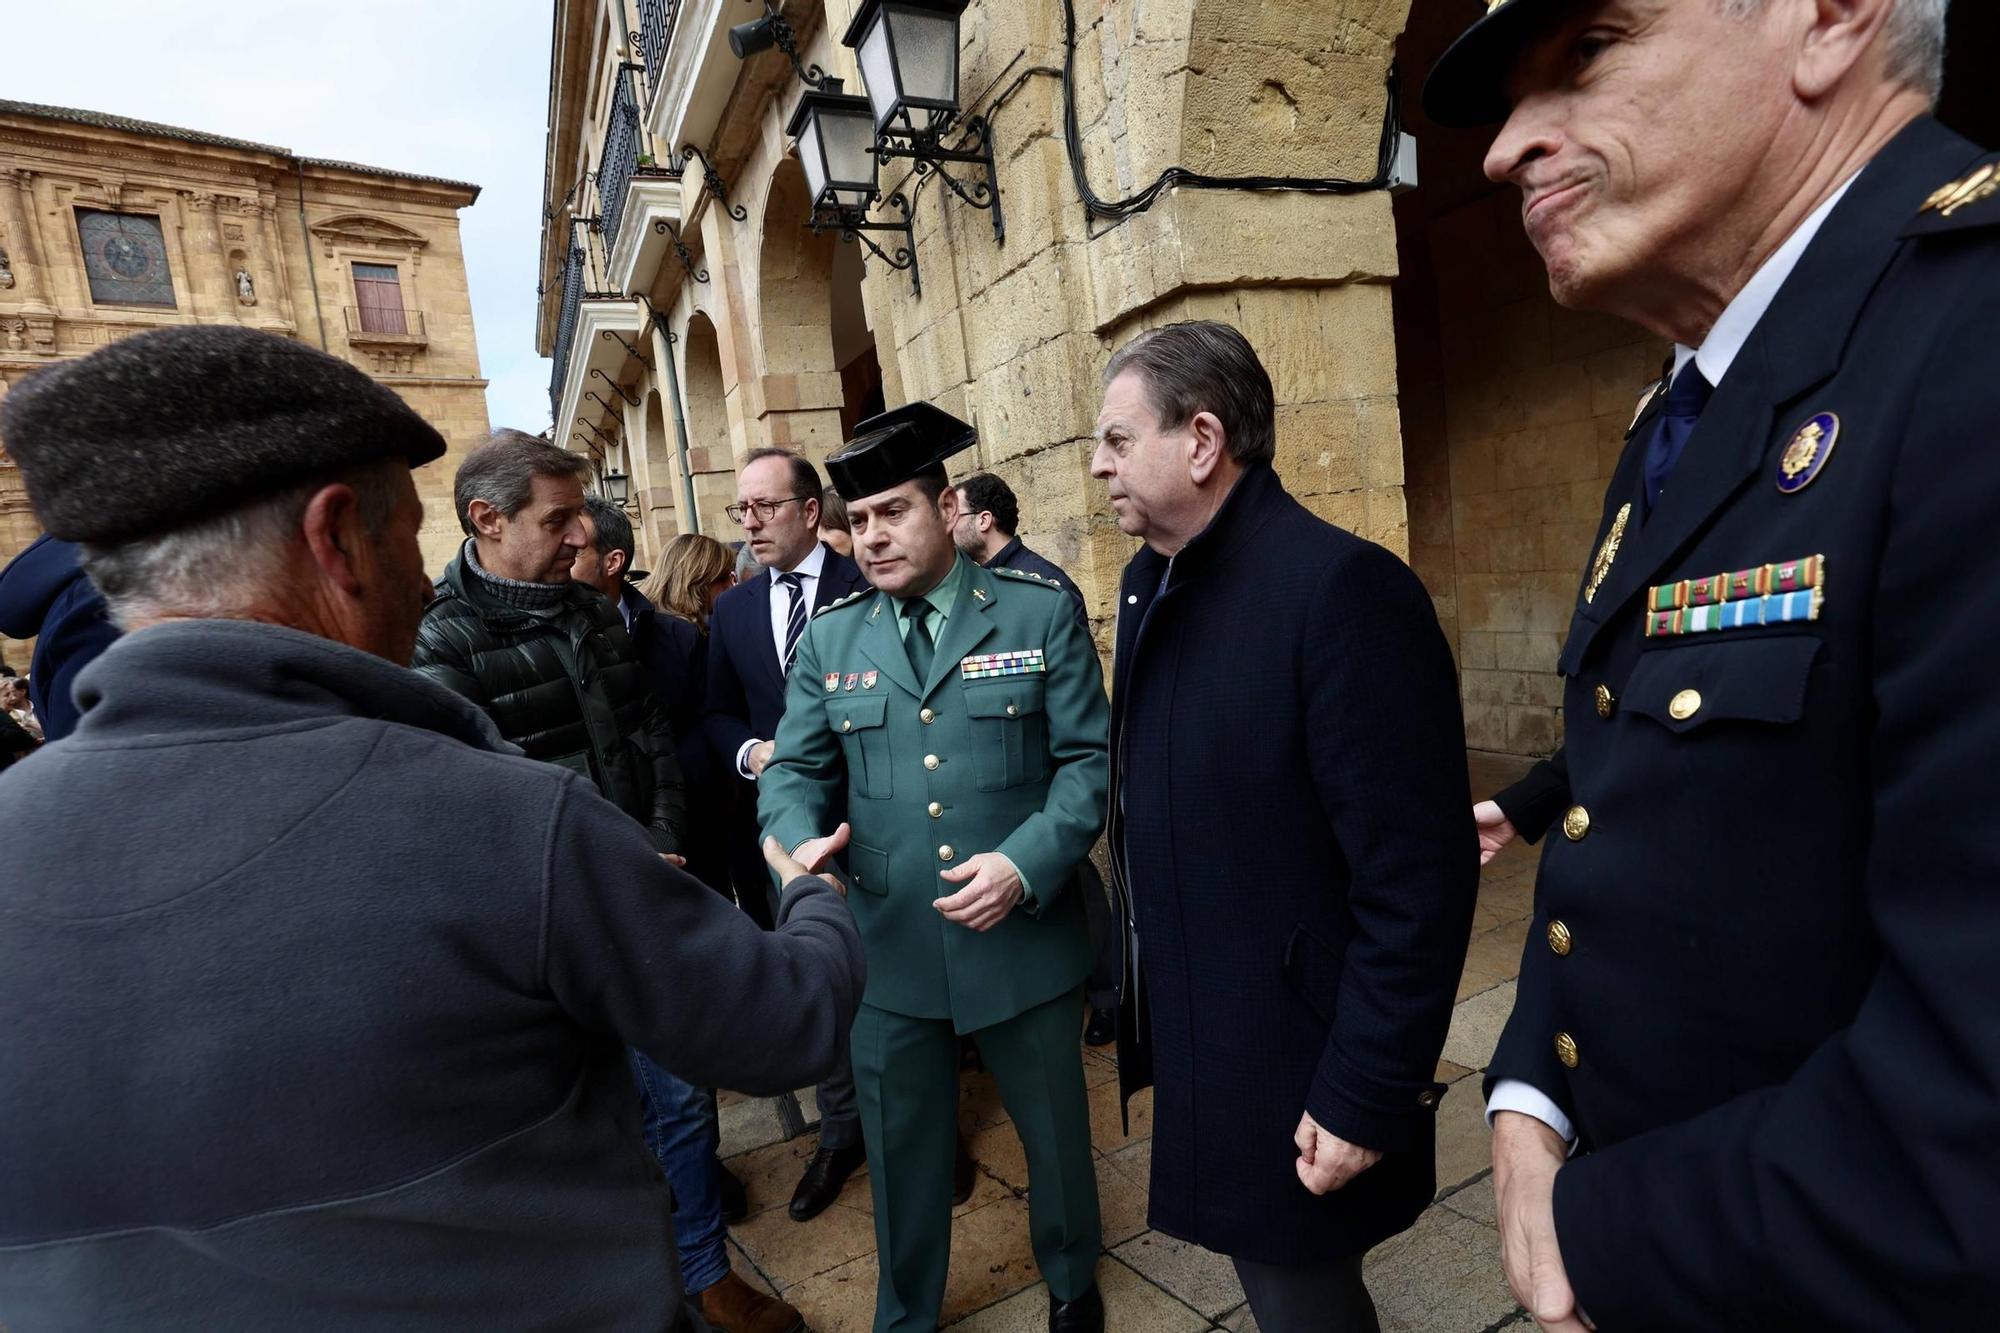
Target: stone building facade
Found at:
110, 226
1431, 396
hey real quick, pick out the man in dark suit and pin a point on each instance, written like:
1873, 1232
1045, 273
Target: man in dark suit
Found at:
1289, 992
1752, 1077
987, 528
752, 640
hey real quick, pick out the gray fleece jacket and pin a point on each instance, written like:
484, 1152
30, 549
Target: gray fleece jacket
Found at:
315, 1000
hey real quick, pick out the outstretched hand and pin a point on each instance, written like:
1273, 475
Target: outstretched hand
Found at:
790, 868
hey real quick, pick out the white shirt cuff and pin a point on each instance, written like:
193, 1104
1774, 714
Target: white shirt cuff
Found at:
743, 761
1513, 1094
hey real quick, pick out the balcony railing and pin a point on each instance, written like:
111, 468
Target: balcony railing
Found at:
569, 299
621, 157
365, 321
656, 29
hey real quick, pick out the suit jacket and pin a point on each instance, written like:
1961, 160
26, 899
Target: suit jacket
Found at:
746, 681
1291, 838
1761, 974
1016, 556
938, 770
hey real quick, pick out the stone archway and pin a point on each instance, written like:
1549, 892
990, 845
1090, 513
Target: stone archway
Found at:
711, 456
799, 398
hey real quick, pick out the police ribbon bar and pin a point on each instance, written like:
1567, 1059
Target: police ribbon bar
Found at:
1002, 664
1775, 594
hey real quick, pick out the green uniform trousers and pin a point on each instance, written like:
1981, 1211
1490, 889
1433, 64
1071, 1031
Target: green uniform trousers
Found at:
906, 1075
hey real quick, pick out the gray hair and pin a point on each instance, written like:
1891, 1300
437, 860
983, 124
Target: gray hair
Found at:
1204, 365
1913, 34
501, 470
611, 529
220, 566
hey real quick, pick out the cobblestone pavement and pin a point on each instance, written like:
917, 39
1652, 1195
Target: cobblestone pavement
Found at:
1441, 1276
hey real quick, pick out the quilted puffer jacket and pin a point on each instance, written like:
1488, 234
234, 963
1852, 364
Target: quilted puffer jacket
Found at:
568, 688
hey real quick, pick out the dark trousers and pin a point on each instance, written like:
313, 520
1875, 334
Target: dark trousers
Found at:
907, 1071
1313, 1298
1101, 990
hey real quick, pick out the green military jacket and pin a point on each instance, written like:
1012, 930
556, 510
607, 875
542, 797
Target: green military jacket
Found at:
1004, 749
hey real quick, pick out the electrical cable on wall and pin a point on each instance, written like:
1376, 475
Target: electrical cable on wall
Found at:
1182, 178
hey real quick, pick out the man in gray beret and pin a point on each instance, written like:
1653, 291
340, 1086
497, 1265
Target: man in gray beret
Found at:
326, 1028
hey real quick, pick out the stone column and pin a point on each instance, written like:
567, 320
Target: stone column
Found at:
273, 303
24, 253
209, 283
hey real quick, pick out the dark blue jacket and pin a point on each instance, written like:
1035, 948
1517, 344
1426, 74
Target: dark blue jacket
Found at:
327, 1029
1779, 894
1015, 555
675, 655
44, 595
746, 682
1292, 835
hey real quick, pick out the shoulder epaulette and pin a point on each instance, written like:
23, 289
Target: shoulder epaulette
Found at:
1024, 576
848, 600
1973, 200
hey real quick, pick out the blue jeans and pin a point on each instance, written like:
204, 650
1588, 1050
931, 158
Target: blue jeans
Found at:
679, 1123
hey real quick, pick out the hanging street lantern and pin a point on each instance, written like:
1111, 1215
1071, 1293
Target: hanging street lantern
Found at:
835, 136
908, 53
618, 488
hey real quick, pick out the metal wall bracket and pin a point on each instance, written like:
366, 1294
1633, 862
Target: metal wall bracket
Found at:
718, 188
666, 228
853, 225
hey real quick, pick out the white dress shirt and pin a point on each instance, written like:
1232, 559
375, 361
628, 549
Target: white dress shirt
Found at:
808, 571
1715, 355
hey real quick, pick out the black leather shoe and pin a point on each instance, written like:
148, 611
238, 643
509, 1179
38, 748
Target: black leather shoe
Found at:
1085, 1314
962, 1179
1103, 1028
825, 1174
735, 1199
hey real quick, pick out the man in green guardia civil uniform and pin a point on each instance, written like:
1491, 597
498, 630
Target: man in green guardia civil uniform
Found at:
947, 732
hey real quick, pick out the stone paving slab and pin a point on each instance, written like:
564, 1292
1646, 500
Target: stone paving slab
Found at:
1476, 1024
1131, 1305
1197, 1277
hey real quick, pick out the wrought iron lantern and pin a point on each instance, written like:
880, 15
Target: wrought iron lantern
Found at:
835, 133
908, 52
618, 488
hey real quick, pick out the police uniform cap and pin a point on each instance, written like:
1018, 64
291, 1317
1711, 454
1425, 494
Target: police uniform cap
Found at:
171, 426
895, 446
1468, 84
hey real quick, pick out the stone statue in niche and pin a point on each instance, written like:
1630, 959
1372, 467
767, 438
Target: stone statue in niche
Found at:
246, 290
6, 272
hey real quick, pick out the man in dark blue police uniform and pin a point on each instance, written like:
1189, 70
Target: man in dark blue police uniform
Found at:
1752, 1078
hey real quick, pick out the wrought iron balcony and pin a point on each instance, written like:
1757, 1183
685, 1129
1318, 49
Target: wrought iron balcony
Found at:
621, 158
656, 29
387, 323
569, 298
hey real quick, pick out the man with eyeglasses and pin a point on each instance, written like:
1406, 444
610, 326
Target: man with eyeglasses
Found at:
752, 639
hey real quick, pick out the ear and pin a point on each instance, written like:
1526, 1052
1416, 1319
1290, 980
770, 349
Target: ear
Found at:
1839, 36
985, 520
1208, 445
812, 510
336, 538
948, 507
484, 518
614, 564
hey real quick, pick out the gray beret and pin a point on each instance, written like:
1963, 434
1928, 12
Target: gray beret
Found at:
167, 427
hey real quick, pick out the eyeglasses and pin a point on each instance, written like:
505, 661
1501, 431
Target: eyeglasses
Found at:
765, 510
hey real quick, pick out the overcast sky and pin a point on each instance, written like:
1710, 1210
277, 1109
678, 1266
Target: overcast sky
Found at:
437, 87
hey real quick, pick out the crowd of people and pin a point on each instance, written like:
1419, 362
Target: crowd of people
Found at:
436, 910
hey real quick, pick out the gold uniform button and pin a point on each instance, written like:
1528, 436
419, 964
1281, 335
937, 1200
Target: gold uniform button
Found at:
926, 717
1685, 705
1606, 701
937, 811
945, 853
1576, 823
1013, 711
930, 761
1566, 1050
847, 724
1559, 939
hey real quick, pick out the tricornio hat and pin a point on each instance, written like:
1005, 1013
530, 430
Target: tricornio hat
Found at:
168, 427
1468, 85
889, 449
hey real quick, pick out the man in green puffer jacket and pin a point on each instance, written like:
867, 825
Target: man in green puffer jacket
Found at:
547, 659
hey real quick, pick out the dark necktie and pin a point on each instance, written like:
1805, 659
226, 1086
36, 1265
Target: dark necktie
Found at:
918, 641
795, 617
1687, 396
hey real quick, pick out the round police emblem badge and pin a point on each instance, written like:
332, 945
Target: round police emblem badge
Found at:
1806, 455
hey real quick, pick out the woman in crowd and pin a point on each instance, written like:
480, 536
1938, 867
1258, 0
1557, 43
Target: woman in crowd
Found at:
693, 571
